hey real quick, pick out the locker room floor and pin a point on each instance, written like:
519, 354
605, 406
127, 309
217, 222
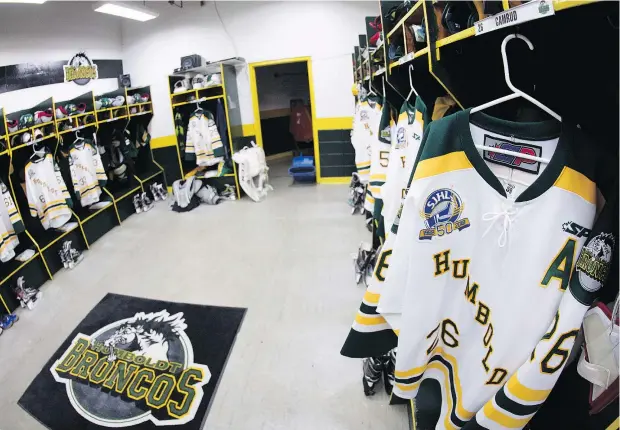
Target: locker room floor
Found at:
286, 259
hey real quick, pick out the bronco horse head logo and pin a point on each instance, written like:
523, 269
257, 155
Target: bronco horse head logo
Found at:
147, 334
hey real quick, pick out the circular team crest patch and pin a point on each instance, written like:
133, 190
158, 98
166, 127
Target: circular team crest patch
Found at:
442, 213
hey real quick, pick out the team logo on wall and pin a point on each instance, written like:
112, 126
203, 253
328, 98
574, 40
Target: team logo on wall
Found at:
442, 214
594, 261
80, 70
134, 370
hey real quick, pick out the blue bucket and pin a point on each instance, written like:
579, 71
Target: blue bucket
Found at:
302, 169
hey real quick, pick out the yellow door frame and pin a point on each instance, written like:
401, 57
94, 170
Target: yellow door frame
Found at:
256, 109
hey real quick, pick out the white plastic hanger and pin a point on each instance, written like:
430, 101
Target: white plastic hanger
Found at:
516, 93
38, 152
413, 91
79, 140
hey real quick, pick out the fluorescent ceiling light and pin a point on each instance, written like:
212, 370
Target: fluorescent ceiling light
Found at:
24, 1
125, 10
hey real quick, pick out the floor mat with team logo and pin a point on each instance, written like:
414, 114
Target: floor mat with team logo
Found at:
136, 363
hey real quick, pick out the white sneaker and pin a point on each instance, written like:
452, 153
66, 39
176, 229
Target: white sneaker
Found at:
137, 203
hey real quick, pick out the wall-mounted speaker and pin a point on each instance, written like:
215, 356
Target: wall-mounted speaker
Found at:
191, 61
124, 81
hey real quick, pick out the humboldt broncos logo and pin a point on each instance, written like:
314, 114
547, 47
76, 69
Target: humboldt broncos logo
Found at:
134, 370
442, 214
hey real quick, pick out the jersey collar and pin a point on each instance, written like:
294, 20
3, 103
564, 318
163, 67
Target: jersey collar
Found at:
544, 130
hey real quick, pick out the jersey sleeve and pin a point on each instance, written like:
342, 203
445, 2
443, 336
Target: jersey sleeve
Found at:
14, 217
102, 178
62, 187
216, 140
74, 177
190, 149
394, 286
527, 389
31, 196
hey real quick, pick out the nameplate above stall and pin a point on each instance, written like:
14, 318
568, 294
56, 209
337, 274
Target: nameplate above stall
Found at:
516, 15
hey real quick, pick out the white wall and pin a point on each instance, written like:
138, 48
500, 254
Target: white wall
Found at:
278, 85
55, 31
256, 31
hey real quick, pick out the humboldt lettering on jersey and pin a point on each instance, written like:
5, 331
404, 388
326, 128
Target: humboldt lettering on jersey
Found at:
459, 269
575, 229
442, 214
146, 360
80, 69
594, 261
513, 161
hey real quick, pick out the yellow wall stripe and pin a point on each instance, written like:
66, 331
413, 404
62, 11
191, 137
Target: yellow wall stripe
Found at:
335, 180
163, 142
503, 419
575, 182
524, 393
442, 164
338, 123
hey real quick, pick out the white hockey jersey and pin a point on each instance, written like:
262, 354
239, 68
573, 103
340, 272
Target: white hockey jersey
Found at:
364, 133
47, 193
379, 158
203, 143
406, 139
479, 269
87, 173
10, 225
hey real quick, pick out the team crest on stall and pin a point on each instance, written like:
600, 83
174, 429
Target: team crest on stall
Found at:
134, 370
442, 214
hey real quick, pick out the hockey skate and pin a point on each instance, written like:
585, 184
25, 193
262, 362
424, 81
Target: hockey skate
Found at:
27, 296
73, 257
364, 262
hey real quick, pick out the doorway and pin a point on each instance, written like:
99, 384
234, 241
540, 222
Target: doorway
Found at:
284, 110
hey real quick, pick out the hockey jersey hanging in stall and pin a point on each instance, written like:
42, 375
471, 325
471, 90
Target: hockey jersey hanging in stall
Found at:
47, 193
10, 225
364, 132
203, 143
499, 234
379, 161
370, 334
87, 172
406, 140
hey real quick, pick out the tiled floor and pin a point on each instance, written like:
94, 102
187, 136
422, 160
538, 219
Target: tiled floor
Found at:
286, 259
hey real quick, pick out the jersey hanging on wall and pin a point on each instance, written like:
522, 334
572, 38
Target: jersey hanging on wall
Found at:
203, 143
10, 225
47, 193
370, 334
87, 173
406, 140
365, 129
479, 269
379, 157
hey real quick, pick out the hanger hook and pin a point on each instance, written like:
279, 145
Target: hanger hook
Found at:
505, 57
412, 90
